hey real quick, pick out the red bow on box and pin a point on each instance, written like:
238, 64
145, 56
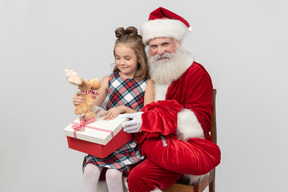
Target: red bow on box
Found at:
83, 124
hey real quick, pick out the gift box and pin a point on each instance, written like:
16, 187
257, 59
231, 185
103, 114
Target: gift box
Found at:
97, 137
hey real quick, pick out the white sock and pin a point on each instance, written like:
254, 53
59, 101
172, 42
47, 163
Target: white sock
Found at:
90, 178
114, 180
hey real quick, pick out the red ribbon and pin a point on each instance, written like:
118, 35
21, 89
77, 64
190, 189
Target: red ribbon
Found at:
93, 92
83, 124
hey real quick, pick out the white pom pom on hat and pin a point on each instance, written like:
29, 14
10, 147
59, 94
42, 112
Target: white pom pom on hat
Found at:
164, 23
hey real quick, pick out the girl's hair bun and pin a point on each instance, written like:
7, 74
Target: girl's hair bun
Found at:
120, 31
130, 31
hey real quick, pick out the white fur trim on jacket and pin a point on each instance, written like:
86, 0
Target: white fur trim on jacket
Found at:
188, 125
163, 28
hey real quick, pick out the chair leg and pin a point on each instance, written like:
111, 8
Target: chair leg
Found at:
212, 186
212, 181
196, 187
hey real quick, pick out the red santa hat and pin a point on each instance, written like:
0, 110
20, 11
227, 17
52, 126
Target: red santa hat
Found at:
164, 23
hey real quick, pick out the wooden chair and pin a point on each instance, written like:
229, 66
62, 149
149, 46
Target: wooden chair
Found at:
200, 186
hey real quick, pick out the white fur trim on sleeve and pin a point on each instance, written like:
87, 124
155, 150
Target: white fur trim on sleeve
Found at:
188, 125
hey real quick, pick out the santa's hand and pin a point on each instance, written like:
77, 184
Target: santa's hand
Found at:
134, 123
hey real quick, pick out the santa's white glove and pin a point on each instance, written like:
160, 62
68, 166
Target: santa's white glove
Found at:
134, 123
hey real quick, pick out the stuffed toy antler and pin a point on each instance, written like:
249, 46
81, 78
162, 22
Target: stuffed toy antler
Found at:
84, 109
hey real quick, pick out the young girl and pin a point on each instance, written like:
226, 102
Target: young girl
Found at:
128, 89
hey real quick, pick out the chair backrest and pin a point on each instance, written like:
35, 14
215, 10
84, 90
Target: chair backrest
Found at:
214, 140
213, 118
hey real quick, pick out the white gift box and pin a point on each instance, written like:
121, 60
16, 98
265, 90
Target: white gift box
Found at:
98, 138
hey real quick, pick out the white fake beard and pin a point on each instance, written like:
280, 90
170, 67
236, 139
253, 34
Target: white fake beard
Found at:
168, 70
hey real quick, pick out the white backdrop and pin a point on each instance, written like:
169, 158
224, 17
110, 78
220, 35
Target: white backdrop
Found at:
242, 44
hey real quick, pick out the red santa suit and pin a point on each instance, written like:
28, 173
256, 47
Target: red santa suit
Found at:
174, 135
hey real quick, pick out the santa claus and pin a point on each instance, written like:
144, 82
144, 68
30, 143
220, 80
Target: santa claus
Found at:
173, 131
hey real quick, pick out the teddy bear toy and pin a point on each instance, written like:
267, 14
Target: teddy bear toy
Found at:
88, 87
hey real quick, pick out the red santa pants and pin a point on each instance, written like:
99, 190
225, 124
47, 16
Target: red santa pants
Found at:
148, 176
165, 164
195, 156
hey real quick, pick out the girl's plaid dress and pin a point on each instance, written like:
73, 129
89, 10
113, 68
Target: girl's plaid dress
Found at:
129, 92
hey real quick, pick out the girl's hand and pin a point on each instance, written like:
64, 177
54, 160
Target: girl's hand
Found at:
78, 99
112, 113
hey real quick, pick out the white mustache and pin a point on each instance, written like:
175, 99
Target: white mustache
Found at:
164, 55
